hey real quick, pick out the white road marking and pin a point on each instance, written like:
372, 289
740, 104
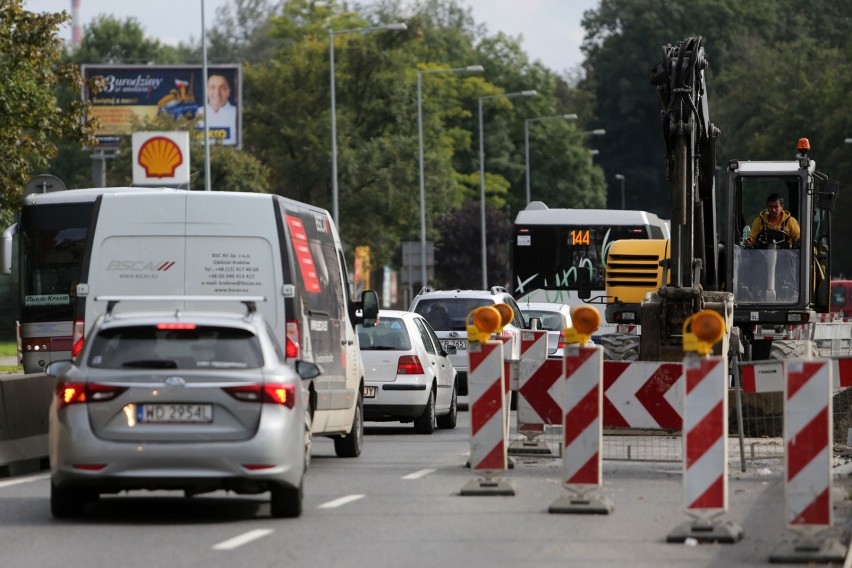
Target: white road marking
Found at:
23, 480
340, 502
242, 539
418, 474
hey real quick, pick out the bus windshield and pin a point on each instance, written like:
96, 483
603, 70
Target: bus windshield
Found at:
550, 257
53, 239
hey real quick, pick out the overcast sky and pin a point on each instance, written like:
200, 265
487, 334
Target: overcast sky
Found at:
550, 28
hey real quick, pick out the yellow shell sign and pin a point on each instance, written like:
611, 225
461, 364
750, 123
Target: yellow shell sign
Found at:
161, 158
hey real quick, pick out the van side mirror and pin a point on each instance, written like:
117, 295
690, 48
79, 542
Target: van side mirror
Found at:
584, 284
57, 368
307, 370
369, 308
6, 250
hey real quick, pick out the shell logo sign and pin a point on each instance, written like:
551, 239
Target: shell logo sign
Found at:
161, 158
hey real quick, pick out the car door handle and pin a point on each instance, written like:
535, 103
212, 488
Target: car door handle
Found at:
346, 342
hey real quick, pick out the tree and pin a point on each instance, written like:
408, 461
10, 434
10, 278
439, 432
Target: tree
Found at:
31, 122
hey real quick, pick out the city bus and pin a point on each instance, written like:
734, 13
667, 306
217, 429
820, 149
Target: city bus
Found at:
51, 237
552, 246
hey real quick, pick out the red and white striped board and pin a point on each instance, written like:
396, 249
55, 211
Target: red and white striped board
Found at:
808, 439
533, 357
582, 398
768, 376
643, 395
705, 430
510, 369
487, 400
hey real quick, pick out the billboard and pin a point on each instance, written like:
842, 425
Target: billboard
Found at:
119, 93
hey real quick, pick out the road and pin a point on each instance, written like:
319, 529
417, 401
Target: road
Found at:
399, 505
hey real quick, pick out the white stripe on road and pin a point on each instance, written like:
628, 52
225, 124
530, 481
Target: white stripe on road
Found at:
419, 474
23, 480
242, 539
340, 502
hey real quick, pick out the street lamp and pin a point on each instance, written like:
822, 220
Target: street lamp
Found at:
621, 178
471, 69
595, 132
482, 176
527, 141
331, 34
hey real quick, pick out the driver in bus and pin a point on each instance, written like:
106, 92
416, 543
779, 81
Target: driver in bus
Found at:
775, 218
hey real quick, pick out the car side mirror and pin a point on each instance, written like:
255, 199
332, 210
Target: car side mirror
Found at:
450, 350
369, 308
57, 368
535, 323
308, 370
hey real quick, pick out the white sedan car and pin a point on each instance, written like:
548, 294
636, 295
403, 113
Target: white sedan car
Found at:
555, 318
408, 376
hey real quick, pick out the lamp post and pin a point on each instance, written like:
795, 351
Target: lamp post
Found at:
621, 178
471, 69
207, 181
331, 34
527, 141
482, 176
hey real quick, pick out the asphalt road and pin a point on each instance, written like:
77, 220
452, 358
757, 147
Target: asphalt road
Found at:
399, 505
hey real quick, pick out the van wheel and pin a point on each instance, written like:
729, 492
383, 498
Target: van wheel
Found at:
426, 422
285, 501
350, 445
448, 421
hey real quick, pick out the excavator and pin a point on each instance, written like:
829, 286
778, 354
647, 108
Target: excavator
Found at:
769, 289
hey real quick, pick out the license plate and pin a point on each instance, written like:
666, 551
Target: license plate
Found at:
460, 344
369, 392
174, 413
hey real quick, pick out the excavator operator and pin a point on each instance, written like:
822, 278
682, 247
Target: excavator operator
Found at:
774, 225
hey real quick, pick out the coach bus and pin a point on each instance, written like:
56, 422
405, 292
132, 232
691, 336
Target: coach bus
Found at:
551, 247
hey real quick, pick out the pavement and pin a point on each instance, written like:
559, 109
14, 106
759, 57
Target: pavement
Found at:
8, 361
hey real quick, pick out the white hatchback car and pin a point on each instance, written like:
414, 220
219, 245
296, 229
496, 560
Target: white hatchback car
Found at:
408, 375
180, 400
554, 318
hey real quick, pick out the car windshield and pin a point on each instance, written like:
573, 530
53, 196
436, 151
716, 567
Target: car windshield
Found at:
551, 321
449, 314
389, 334
165, 347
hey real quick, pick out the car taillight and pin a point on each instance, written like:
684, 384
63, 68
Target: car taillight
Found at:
73, 393
291, 347
561, 343
409, 365
274, 393
77, 339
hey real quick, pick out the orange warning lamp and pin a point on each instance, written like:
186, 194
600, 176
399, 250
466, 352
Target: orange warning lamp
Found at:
482, 322
585, 320
804, 145
506, 314
702, 331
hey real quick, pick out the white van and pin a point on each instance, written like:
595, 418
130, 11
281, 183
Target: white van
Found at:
224, 243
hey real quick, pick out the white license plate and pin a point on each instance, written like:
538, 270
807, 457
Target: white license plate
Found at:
369, 392
460, 344
174, 413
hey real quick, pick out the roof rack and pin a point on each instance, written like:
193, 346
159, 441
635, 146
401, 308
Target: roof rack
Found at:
425, 290
498, 290
249, 301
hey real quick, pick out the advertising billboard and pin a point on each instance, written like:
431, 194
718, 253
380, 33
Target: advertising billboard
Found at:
119, 93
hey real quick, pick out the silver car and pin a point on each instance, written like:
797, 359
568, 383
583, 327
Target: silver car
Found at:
554, 318
408, 375
180, 400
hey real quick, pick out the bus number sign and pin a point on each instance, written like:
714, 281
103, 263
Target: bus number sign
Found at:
580, 237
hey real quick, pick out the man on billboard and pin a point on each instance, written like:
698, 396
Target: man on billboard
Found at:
221, 114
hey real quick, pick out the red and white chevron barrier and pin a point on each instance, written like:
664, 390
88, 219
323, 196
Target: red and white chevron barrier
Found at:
582, 403
808, 435
705, 451
768, 376
643, 395
487, 418
533, 357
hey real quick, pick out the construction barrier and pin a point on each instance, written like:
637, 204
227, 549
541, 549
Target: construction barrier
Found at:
808, 457
532, 365
488, 452
582, 401
641, 394
24, 404
705, 450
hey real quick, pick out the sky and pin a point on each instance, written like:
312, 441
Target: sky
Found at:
550, 28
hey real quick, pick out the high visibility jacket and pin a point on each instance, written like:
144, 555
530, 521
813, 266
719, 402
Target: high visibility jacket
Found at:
787, 223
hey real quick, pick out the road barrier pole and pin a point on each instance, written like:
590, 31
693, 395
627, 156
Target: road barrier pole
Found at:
705, 452
486, 390
582, 403
808, 456
530, 424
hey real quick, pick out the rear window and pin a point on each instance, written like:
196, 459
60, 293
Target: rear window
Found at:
551, 321
150, 347
388, 334
448, 314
